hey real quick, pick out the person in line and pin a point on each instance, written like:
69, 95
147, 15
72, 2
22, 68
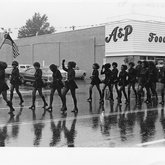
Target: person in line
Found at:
37, 86
56, 85
107, 81
4, 87
15, 82
162, 81
114, 78
142, 82
153, 78
69, 85
138, 70
95, 80
131, 80
123, 81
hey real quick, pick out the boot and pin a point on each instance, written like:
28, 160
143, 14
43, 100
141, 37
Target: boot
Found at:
75, 110
32, 107
50, 108
21, 102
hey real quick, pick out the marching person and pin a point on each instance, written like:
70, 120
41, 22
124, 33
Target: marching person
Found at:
114, 78
123, 76
69, 85
162, 81
131, 80
143, 82
56, 84
138, 70
153, 78
15, 82
3, 86
37, 86
95, 81
107, 81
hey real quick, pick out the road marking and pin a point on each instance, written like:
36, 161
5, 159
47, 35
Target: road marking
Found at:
151, 143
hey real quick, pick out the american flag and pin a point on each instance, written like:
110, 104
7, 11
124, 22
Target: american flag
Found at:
8, 40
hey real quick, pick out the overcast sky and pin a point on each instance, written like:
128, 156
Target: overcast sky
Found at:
64, 13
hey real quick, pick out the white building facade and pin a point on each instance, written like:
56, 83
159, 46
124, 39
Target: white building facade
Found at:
133, 40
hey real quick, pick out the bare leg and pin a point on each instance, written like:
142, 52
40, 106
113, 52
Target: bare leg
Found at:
111, 92
19, 94
119, 94
33, 99
65, 91
90, 92
125, 95
60, 94
133, 87
129, 91
73, 93
9, 103
98, 88
11, 92
51, 96
42, 96
103, 90
162, 93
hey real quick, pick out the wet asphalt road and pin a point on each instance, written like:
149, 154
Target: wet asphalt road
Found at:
110, 125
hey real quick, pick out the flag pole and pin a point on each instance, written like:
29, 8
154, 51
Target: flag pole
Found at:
2, 43
3, 40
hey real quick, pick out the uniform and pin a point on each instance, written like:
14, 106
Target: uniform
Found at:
70, 83
95, 77
3, 85
15, 77
57, 80
38, 83
15, 82
162, 81
108, 74
107, 82
122, 81
152, 79
132, 73
143, 82
56, 84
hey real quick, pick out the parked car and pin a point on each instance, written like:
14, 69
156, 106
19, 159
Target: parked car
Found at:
21, 67
80, 74
28, 75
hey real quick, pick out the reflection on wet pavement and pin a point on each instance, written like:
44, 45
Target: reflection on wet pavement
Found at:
108, 125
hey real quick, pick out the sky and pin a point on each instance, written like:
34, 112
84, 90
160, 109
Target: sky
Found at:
62, 14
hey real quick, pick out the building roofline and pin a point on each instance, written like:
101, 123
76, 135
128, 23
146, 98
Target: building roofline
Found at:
70, 31
128, 20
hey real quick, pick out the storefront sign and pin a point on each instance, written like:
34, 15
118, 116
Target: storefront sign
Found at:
154, 38
119, 33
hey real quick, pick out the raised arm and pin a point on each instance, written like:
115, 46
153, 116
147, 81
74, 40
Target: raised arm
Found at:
63, 66
102, 70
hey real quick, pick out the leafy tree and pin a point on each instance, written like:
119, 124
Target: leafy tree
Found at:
38, 25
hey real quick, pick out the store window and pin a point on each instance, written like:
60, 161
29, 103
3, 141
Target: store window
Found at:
142, 57
151, 58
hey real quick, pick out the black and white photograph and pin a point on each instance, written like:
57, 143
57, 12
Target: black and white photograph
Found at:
86, 74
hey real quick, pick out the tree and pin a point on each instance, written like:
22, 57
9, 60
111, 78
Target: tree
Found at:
38, 25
